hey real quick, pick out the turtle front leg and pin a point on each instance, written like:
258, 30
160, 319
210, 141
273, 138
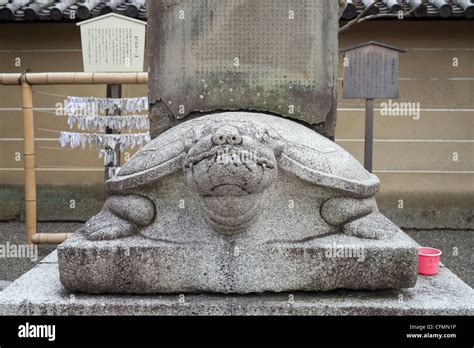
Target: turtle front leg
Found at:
358, 217
122, 216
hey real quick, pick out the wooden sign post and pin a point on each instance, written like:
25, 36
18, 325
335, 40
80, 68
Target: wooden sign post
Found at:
113, 43
371, 71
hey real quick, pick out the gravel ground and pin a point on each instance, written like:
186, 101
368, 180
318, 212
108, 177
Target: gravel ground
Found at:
14, 233
457, 247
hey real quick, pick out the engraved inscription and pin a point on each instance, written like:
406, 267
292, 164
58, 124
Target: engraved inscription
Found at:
277, 56
372, 72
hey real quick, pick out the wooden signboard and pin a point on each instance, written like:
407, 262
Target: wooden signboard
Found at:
113, 43
371, 71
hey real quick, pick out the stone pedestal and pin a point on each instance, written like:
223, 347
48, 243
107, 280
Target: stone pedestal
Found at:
137, 265
40, 292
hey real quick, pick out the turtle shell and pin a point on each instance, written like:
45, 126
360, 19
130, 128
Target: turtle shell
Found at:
162, 156
305, 153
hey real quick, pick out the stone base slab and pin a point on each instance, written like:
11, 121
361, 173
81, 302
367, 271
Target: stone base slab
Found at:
40, 292
137, 265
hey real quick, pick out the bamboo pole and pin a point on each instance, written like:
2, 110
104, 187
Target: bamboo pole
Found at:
29, 158
26, 80
65, 78
50, 238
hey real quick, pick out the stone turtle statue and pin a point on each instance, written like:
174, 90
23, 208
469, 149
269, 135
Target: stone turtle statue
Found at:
239, 175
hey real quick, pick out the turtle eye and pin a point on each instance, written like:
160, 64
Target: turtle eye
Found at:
265, 136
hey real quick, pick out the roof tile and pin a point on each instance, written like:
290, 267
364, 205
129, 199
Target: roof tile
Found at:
69, 10
422, 8
77, 10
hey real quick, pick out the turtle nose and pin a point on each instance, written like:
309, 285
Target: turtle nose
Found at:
227, 135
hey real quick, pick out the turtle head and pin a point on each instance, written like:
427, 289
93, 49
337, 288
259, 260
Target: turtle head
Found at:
230, 165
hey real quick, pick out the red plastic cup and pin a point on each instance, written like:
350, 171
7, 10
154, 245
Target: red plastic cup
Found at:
428, 261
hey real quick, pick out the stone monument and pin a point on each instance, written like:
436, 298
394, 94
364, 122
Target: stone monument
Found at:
275, 56
242, 191
242, 201
238, 203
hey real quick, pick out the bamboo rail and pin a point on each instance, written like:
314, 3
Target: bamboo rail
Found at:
26, 80
50, 238
74, 78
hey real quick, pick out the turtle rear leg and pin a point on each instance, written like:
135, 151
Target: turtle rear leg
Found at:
372, 226
122, 216
357, 217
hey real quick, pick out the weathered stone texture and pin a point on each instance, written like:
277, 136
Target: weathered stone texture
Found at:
239, 203
140, 266
277, 56
40, 292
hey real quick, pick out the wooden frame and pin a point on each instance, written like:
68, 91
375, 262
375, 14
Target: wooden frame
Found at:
26, 80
